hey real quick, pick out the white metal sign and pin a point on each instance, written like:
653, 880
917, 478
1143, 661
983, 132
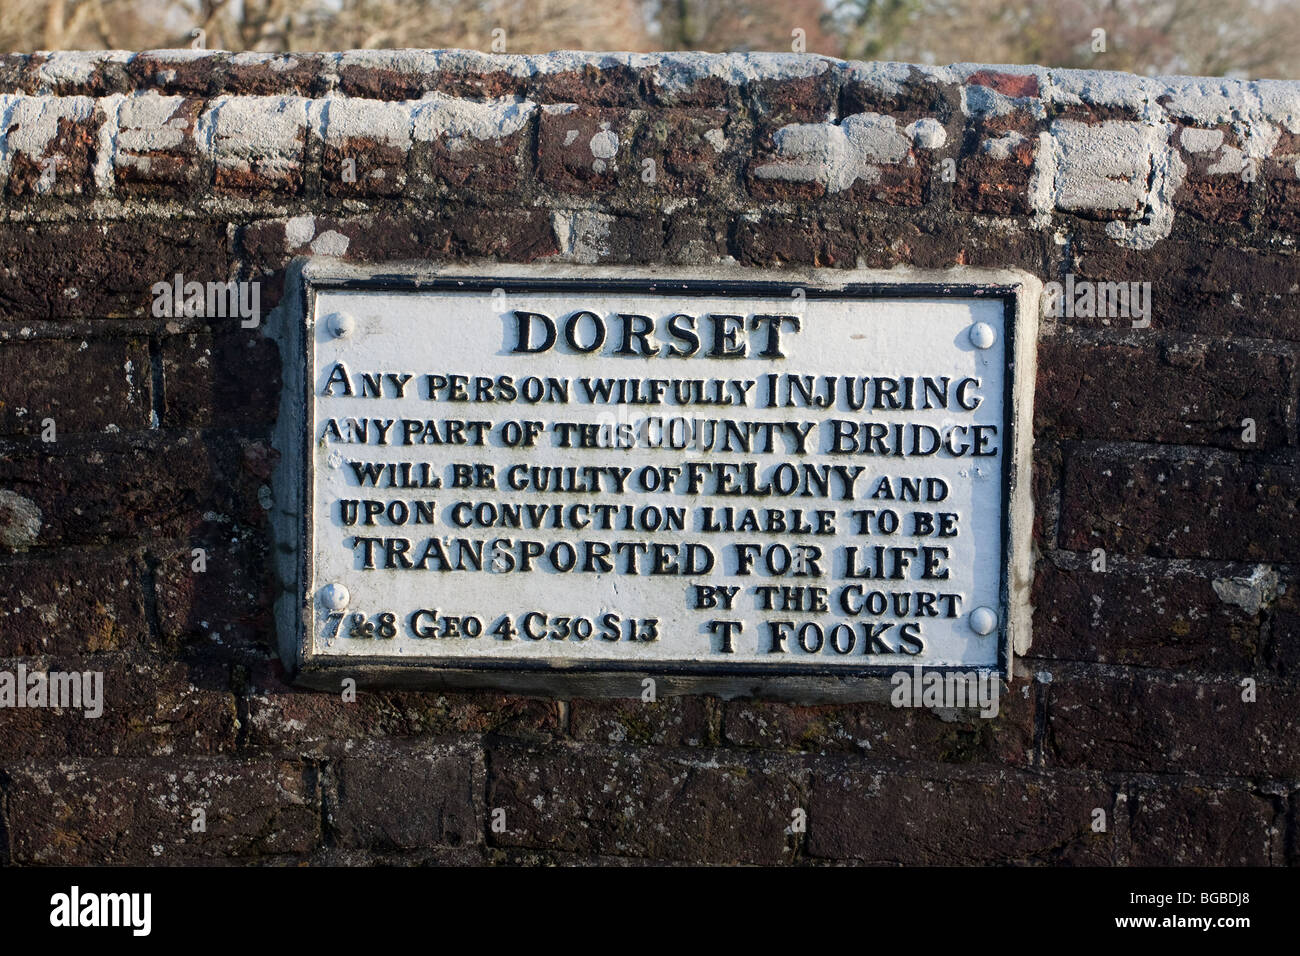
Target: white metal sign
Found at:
627, 475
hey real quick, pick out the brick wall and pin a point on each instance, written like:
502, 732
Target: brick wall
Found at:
119, 171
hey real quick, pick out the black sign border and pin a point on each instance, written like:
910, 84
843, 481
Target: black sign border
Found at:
325, 670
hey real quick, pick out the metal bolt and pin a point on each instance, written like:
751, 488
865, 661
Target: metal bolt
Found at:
982, 335
340, 324
334, 597
983, 620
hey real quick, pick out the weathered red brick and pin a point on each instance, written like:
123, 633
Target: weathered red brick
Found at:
694, 241
476, 148
15, 70
227, 604
223, 381
601, 237
200, 73
410, 75
582, 148
1147, 389
1015, 85
259, 144
908, 94
82, 384
993, 173
141, 810
75, 270
780, 240
637, 803
1281, 180
400, 797
1191, 825
156, 150
146, 708
595, 84
1166, 504
882, 732
1216, 186
689, 153
366, 148
894, 818
1165, 723
671, 721
443, 234
1142, 613
263, 74
65, 603
1283, 627
1208, 287
288, 718
74, 73
113, 487
797, 99
52, 143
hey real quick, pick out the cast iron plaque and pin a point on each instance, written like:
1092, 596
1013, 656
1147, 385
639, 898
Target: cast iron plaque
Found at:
644, 475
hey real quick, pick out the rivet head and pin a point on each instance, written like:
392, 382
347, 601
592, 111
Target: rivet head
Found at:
982, 335
983, 620
340, 324
334, 597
